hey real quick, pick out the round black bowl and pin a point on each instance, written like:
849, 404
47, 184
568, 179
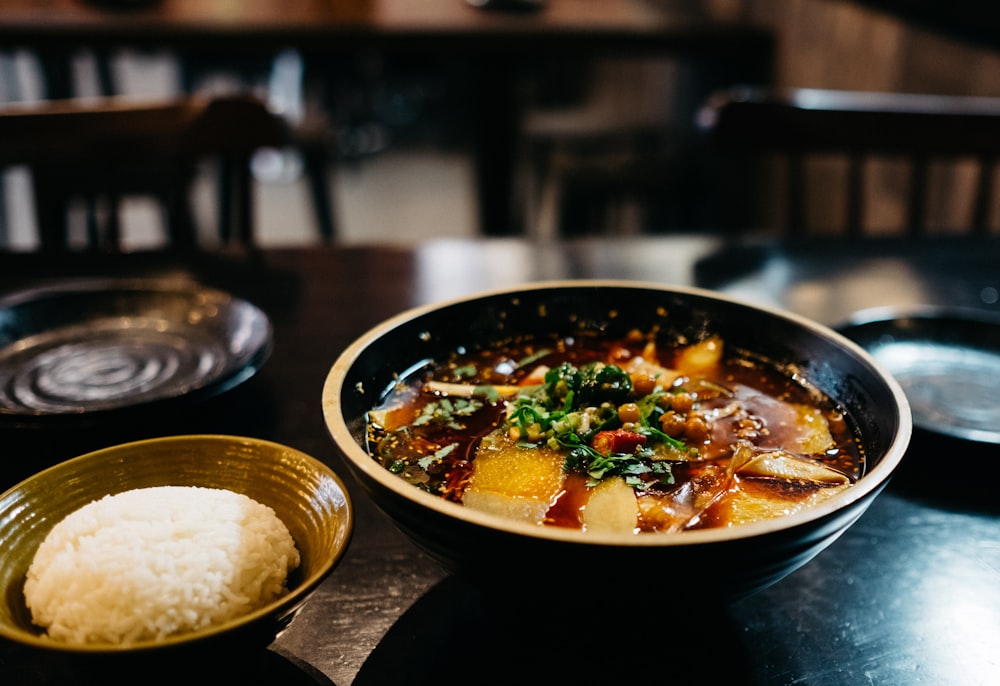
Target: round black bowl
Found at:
727, 562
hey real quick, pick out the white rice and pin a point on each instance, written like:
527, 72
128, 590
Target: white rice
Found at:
155, 562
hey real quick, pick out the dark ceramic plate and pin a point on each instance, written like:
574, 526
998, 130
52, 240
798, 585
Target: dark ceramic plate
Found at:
947, 361
90, 348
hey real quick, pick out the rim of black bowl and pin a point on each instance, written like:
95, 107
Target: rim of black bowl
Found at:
286, 605
360, 460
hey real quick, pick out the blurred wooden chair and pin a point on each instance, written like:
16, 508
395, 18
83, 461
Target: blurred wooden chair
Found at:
793, 159
280, 77
104, 149
597, 150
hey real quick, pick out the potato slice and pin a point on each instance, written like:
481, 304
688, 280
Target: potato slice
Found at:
611, 508
514, 482
512, 507
700, 359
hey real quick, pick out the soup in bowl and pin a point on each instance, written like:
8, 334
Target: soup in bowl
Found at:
568, 432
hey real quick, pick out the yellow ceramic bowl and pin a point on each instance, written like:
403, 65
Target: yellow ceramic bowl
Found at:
305, 494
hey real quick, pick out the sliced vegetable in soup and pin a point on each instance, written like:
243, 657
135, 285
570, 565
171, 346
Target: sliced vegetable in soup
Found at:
631, 435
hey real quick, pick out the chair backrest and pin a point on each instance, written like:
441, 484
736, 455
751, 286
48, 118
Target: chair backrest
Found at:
907, 133
113, 147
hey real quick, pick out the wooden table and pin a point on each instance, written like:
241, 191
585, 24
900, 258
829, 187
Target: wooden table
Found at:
502, 46
909, 594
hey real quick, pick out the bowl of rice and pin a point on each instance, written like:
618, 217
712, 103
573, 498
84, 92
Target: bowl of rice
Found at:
178, 542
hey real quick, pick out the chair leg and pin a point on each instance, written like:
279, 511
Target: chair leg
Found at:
317, 175
179, 219
235, 184
4, 232
242, 200
983, 196
796, 207
112, 238
51, 204
224, 183
916, 211
855, 196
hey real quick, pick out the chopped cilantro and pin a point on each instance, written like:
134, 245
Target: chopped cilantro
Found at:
638, 473
440, 454
465, 372
445, 410
534, 357
490, 392
574, 404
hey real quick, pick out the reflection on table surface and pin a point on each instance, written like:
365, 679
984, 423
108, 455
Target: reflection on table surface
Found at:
910, 594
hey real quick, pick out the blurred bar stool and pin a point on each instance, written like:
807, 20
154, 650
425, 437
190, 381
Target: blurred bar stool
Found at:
922, 156
104, 149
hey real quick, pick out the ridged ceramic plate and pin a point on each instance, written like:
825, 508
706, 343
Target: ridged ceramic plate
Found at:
88, 348
947, 361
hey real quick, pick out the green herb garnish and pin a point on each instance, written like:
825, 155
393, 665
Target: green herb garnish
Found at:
574, 404
445, 411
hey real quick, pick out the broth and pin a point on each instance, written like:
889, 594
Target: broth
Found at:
630, 435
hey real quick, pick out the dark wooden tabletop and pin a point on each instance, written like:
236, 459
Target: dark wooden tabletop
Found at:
909, 594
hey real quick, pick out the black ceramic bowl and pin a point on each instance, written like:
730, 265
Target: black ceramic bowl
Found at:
726, 562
